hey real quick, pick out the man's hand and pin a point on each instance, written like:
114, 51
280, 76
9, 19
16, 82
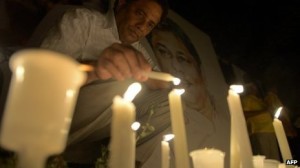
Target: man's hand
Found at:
120, 61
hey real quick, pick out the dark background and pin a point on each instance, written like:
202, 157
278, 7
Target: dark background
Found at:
251, 34
260, 37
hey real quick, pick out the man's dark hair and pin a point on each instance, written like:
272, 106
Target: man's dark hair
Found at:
163, 4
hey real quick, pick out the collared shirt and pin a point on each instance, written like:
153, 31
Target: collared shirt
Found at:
84, 33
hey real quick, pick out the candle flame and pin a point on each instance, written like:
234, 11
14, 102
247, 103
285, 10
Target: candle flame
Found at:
237, 88
179, 91
132, 91
176, 81
168, 137
135, 126
278, 111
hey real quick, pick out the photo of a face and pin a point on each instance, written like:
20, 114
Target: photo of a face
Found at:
177, 56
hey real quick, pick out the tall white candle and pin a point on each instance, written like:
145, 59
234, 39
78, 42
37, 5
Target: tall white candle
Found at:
281, 137
122, 144
165, 151
240, 148
178, 127
40, 104
165, 154
163, 76
203, 158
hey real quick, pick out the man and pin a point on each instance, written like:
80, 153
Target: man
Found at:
112, 43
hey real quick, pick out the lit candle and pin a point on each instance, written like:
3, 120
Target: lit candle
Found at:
122, 144
258, 161
178, 127
40, 104
153, 75
240, 148
165, 151
281, 137
135, 126
163, 76
203, 158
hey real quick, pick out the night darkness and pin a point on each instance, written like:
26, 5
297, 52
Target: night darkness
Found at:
260, 38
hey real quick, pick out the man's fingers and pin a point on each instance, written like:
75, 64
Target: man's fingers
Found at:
121, 61
102, 73
118, 58
137, 63
113, 70
144, 68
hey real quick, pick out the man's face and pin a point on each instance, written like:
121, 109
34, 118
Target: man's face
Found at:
137, 20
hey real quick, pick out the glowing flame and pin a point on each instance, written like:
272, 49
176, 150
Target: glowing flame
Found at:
278, 111
132, 91
176, 81
179, 91
168, 137
237, 88
135, 126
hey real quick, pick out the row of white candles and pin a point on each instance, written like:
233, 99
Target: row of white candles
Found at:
122, 146
260, 161
201, 158
240, 151
240, 148
30, 66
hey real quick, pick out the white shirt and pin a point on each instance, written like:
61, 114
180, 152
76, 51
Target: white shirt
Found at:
84, 33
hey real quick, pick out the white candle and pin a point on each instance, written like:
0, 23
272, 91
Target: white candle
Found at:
40, 104
282, 165
153, 75
271, 163
258, 161
165, 151
281, 137
203, 158
240, 148
178, 127
163, 76
122, 144
165, 154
